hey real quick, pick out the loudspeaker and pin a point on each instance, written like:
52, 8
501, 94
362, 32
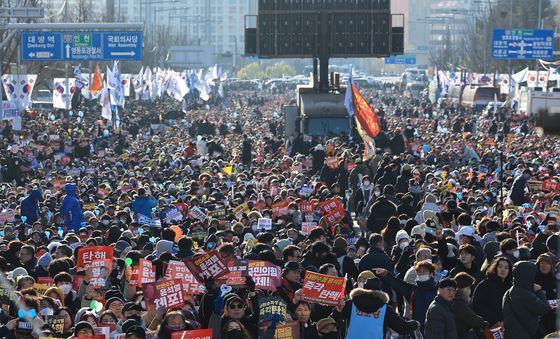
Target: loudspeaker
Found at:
397, 40
250, 41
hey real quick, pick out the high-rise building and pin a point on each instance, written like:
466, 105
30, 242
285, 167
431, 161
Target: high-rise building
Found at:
216, 23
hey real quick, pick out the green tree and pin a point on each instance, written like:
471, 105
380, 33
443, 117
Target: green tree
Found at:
251, 71
279, 69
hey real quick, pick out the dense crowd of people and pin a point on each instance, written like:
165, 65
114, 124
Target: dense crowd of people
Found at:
449, 231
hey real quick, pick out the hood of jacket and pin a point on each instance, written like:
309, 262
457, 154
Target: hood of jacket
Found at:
70, 189
368, 301
35, 195
524, 274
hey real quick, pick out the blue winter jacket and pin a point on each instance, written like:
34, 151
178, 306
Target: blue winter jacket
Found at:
143, 205
71, 209
30, 206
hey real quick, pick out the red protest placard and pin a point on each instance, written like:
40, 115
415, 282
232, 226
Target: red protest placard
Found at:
307, 227
266, 275
147, 272
334, 216
99, 259
328, 206
178, 270
164, 294
552, 186
194, 334
280, 208
323, 289
237, 273
207, 265
307, 207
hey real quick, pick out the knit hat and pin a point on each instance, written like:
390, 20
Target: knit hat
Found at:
401, 235
121, 248
52, 246
45, 259
82, 325
463, 280
430, 198
18, 272
282, 244
340, 243
163, 246
418, 230
366, 275
428, 214
323, 323
373, 284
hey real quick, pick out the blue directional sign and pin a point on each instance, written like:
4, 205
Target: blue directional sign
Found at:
122, 45
401, 60
522, 44
56, 46
41, 46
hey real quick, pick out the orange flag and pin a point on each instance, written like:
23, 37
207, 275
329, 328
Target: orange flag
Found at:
97, 82
365, 116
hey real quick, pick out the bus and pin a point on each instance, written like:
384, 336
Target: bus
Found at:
478, 97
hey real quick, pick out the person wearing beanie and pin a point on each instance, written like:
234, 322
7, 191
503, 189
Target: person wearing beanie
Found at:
42, 265
440, 320
467, 320
347, 265
524, 303
83, 328
122, 247
430, 204
359, 310
546, 278
420, 294
488, 294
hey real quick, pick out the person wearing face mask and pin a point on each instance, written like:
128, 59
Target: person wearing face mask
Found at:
509, 249
234, 329
418, 296
367, 315
402, 242
63, 281
361, 198
546, 278
469, 324
294, 214
173, 321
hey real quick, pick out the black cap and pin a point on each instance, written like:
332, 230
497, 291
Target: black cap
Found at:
447, 282
137, 331
130, 306
292, 266
373, 284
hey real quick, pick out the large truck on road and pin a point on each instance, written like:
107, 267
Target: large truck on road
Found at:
317, 113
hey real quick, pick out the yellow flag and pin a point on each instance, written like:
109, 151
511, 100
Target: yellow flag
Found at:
228, 170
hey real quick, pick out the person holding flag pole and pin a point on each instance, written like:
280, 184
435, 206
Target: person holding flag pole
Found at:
365, 118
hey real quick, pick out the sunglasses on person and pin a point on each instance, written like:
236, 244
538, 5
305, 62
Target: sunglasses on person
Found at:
238, 306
